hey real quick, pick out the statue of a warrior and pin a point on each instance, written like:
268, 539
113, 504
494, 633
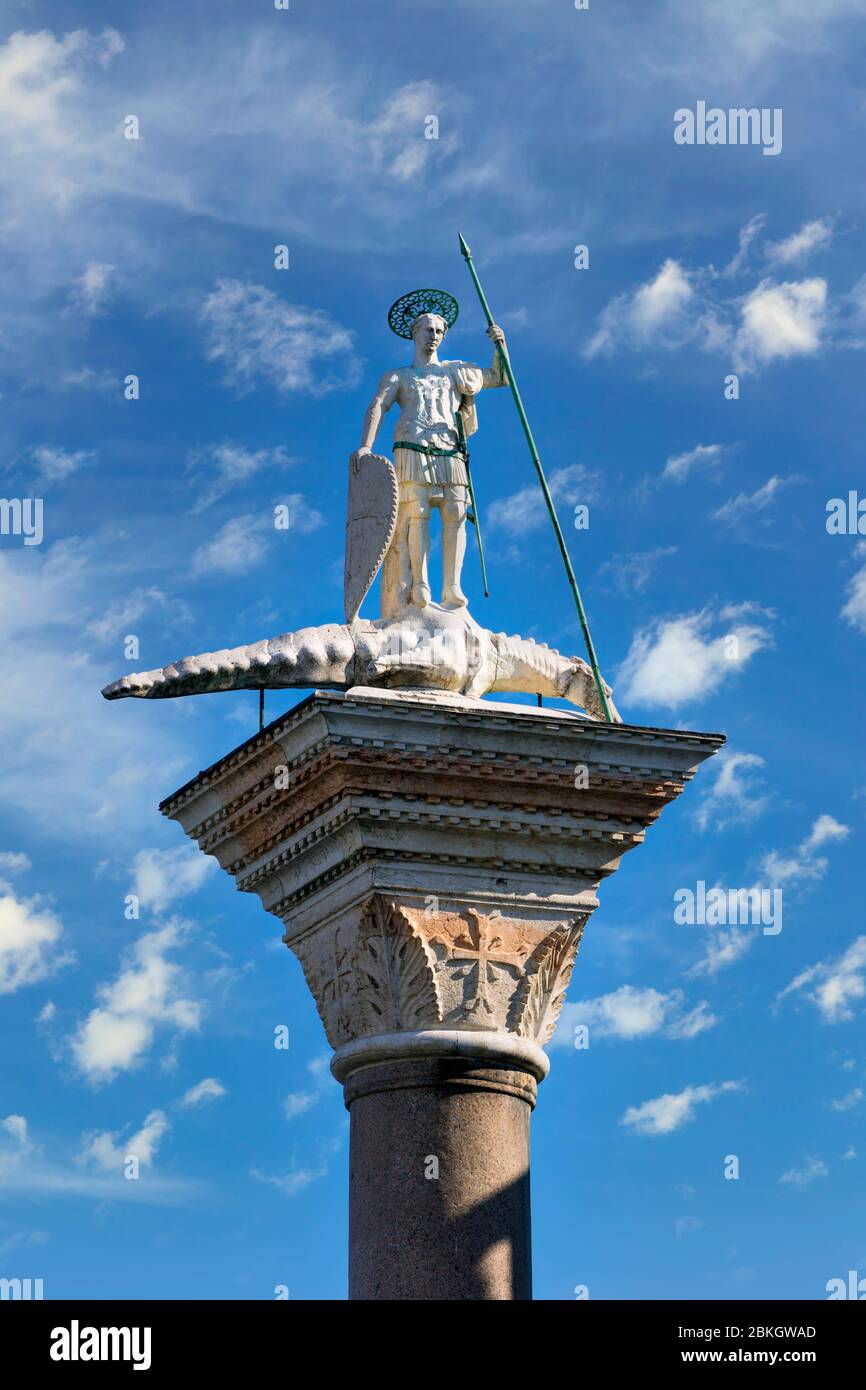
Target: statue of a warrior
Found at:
430, 469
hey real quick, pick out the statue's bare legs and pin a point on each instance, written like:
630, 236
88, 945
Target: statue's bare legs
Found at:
417, 507
453, 543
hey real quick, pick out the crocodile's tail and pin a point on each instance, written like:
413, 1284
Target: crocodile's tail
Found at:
322, 656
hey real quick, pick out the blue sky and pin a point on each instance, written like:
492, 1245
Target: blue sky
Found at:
707, 521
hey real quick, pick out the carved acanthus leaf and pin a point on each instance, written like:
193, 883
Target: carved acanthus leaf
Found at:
394, 973
539, 996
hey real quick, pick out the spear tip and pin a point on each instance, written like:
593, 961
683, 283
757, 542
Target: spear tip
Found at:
464, 248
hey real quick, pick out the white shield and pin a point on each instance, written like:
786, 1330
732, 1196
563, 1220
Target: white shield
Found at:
371, 519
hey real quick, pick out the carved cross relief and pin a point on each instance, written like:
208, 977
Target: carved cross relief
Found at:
485, 951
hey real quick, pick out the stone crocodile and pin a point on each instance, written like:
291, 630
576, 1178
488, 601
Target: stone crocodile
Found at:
434, 650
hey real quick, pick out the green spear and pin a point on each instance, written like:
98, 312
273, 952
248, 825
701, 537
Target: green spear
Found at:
578, 601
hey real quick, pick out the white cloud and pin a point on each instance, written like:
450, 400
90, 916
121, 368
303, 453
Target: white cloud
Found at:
298, 1103
632, 573
29, 937
690, 1024
781, 321
303, 519
207, 1090
56, 465
747, 235
397, 133
657, 301
19, 1239
91, 290
526, 510
160, 876
86, 379
722, 949
800, 1177
628, 1013
733, 798
37, 73
804, 864
26, 1172
256, 336
849, 1101
56, 734
238, 546
703, 456
229, 466
290, 1183
120, 618
854, 610
669, 1112
677, 659
725, 947
739, 510
13, 862
797, 247
147, 994
16, 1126
684, 1225
835, 985
740, 39
655, 311
104, 1150
771, 321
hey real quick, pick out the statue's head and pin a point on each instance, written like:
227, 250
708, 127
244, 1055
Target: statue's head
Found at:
428, 330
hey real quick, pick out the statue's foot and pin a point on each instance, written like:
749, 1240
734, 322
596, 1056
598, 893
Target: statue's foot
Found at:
420, 595
454, 597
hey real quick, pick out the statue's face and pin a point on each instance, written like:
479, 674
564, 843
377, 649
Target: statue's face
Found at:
429, 330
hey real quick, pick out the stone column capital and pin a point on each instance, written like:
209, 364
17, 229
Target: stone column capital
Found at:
391, 978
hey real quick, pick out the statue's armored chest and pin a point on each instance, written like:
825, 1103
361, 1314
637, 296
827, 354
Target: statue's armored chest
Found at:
430, 398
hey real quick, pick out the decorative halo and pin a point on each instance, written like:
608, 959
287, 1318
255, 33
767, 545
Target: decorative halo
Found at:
405, 311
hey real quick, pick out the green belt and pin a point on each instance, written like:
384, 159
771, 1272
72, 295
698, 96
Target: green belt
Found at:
428, 449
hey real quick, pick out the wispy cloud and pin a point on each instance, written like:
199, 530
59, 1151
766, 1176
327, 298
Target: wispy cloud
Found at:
800, 245
702, 458
224, 467
293, 1181
781, 321
300, 1102
670, 1112
733, 798
91, 290
27, 1171
833, 986
56, 465
104, 1150
746, 507
632, 573
801, 1177
147, 995
854, 611
628, 1013
256, 336
805, 863
30, 949
161, 876
526, 510
675, 660
850, 1101
201, 1094
656, 311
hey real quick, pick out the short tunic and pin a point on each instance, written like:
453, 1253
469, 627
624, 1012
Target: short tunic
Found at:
430, 400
